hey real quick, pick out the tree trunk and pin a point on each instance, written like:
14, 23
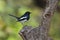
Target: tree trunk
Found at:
40, 32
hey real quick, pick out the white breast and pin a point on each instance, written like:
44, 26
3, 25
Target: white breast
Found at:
23, 21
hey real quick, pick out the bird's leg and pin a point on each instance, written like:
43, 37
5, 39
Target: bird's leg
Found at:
23, 24
27, 23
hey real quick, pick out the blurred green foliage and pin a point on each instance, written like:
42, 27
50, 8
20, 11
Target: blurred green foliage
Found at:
9, 28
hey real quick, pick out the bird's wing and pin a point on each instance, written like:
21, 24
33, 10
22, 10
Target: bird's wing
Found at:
23, 17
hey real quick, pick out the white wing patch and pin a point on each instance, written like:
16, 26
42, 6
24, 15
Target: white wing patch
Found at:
23, 17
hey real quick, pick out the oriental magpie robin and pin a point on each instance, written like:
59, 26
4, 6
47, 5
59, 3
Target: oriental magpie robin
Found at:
23, 18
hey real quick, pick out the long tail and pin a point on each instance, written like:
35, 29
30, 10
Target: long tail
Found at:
12, 15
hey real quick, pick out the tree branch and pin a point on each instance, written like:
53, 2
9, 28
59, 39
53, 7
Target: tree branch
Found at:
40, 32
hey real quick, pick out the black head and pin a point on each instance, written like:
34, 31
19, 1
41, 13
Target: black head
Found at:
27, 12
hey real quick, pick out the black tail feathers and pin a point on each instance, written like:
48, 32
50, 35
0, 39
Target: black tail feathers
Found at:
12, 15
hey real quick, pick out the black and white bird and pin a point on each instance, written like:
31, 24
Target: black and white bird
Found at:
23, 18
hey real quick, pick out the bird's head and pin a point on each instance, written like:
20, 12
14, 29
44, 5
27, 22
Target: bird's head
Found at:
27, 12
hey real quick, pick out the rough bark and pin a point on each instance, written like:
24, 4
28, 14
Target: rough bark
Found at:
40, 32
